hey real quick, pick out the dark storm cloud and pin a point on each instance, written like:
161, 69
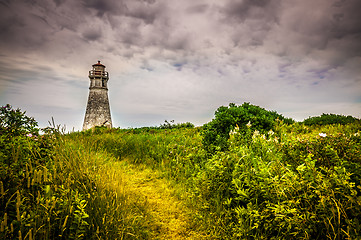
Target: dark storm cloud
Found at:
298, 27
325, 31
30, 25
92, 34
347, 14
242, 10
59, 2
332, 22
199, 8
148, 25
149, 1
251, 20
346, 24
147, 11
19, 30
106, 6
148, 15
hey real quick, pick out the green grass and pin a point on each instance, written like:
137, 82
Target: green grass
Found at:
293, 183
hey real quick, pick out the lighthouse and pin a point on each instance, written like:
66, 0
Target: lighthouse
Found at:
98, 110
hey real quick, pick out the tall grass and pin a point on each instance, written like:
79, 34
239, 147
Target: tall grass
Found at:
72, 193
177, 152
297, 182
111, 212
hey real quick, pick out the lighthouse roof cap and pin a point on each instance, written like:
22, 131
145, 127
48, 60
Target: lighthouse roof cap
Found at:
98, 64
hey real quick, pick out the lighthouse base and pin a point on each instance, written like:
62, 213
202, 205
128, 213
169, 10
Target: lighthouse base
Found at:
97, 110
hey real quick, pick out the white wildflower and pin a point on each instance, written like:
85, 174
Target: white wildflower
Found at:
322, 134
234, 131
255, 134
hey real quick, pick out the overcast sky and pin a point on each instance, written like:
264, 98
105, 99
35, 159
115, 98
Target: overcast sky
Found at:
180, 60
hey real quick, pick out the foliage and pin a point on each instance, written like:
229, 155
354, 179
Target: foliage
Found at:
14, 122
246, 118
291, 182
50, 189
326, 119
286, 185
272, 179
23, 165
171, 125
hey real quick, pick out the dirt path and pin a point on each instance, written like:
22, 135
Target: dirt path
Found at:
170, 218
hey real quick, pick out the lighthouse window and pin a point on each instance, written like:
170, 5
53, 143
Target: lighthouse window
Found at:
103, 83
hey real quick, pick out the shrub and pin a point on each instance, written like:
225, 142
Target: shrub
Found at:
309, 199
19, 141
326, 119
14, 122
246, 118
286, 185
171, 125
23, 158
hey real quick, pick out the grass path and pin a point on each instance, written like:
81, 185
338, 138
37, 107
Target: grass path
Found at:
169, 217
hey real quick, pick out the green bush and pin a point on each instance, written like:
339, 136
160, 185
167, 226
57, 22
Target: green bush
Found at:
14, 122
285, 185
19, 142
23, 165
310, 199
326, 119
246, 118
171, 125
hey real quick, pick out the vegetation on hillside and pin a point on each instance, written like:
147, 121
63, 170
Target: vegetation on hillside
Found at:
326, 119
248, 174
247, 118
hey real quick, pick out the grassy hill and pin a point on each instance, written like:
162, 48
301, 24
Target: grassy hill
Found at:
291, 181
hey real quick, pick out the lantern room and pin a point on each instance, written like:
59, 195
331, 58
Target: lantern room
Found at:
98, 76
